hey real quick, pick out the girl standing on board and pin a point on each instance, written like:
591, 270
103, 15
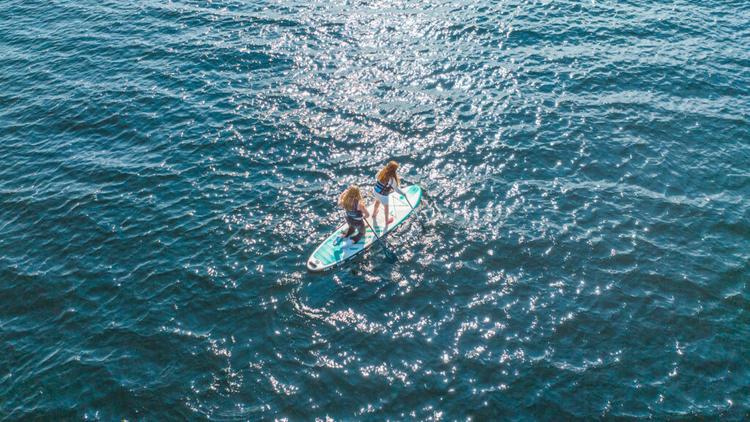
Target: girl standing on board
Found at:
386, 181
356, 212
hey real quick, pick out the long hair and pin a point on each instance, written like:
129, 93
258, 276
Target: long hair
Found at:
388, 172
350, 198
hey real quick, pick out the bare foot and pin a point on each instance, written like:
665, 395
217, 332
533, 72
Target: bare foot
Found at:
390, 220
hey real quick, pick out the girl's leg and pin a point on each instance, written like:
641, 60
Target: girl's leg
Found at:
388, 218
349, 231
360, 233
375, 211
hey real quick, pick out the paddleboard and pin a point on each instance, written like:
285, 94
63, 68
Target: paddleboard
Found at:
334, 251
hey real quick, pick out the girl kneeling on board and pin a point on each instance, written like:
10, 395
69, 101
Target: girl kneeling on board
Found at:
356, 212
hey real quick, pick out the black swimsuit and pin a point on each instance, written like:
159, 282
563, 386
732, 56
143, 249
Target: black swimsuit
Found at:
354, 217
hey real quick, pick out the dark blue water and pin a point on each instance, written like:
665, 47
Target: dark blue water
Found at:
582, 250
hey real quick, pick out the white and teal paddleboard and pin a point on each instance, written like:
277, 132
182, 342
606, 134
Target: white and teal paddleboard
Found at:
334, 251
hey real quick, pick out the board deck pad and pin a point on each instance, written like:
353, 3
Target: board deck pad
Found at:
333, 251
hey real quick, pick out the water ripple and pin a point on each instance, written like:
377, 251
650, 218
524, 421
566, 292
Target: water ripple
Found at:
581, 250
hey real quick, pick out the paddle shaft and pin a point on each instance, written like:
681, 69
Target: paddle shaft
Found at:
373, 230
408, 202
378, 237
412, 208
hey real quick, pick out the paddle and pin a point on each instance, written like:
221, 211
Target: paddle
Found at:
412, 207
385, 242
408, 202
407, 199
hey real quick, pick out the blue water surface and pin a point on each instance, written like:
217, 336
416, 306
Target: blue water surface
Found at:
582, 250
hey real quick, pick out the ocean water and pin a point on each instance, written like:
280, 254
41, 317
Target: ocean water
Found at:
582, 250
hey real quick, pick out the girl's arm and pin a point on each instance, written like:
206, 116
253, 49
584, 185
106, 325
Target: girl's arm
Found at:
363, 207
396, 187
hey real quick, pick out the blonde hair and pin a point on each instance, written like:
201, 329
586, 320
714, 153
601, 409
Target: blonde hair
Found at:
350, 198
388, 172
